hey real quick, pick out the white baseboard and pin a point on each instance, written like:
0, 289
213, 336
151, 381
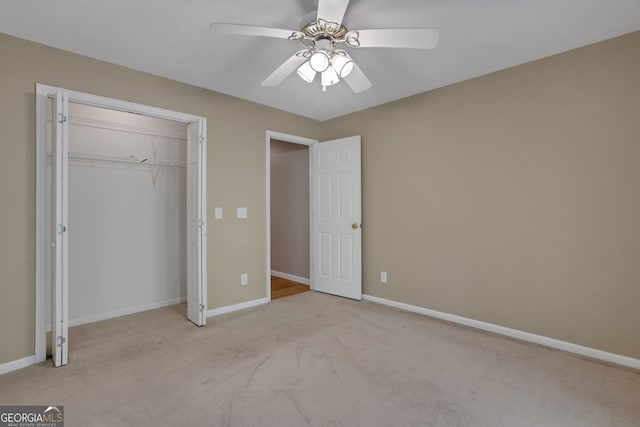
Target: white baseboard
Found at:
123, 312
290, 277
235, 307
514, 333
17, 364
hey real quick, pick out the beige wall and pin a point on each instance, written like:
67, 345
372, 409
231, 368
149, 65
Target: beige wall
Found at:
290, 208
236, 173
513, 198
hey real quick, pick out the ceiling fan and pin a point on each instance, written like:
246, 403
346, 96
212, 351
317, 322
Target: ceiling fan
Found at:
324, 40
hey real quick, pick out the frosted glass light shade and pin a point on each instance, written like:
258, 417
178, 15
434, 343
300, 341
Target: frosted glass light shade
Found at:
319, 61
329, 77
343, 65
306, 73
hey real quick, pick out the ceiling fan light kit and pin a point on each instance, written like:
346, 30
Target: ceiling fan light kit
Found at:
323, 40
332, 64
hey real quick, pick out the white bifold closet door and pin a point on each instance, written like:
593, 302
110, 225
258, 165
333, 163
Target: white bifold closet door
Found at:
196, 224
59, 233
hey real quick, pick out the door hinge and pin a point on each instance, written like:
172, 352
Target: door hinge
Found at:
61, 118
61, 229
201, 307
200, 223
201, 137
61, 340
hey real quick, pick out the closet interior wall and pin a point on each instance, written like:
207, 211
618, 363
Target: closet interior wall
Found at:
127, 213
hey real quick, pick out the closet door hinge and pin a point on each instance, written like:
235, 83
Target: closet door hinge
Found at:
201, 138
200, 223
61, 340
201, 307
61, 118
61, 229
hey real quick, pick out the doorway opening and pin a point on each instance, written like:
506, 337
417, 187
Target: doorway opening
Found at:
120, 213
290, 266
288, 204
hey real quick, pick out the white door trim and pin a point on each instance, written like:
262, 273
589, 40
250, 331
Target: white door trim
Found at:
295, 140
42, 93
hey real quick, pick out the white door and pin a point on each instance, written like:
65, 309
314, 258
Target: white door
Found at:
337, 217
59, 234
196, 224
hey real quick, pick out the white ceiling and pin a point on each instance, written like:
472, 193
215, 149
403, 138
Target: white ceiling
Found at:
171, 38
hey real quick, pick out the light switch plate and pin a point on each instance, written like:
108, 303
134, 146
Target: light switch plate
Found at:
218, 213
383, 277
242, 213
244, 279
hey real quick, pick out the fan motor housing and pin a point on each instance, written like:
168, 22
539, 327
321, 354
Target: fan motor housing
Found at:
322, 29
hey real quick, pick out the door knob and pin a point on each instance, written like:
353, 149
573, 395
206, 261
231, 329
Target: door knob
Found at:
354, 226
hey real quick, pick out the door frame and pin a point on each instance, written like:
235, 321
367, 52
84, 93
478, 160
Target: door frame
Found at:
294, 139
43, 92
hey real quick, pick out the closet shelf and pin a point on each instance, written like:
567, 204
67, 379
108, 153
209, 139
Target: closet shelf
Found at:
127, 128
132, 161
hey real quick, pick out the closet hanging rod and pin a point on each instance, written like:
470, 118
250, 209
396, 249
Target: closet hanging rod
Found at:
131, 161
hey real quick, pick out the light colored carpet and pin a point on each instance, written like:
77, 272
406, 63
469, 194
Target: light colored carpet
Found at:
318, 360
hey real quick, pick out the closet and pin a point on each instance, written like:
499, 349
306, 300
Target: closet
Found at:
127, 224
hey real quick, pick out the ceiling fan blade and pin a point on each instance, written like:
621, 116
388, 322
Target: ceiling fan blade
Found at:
250, 30
413, 38
283, 71
332, 10
357, 81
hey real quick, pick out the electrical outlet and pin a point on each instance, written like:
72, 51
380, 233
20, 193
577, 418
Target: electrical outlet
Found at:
383, 277
244, 279
218, 213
